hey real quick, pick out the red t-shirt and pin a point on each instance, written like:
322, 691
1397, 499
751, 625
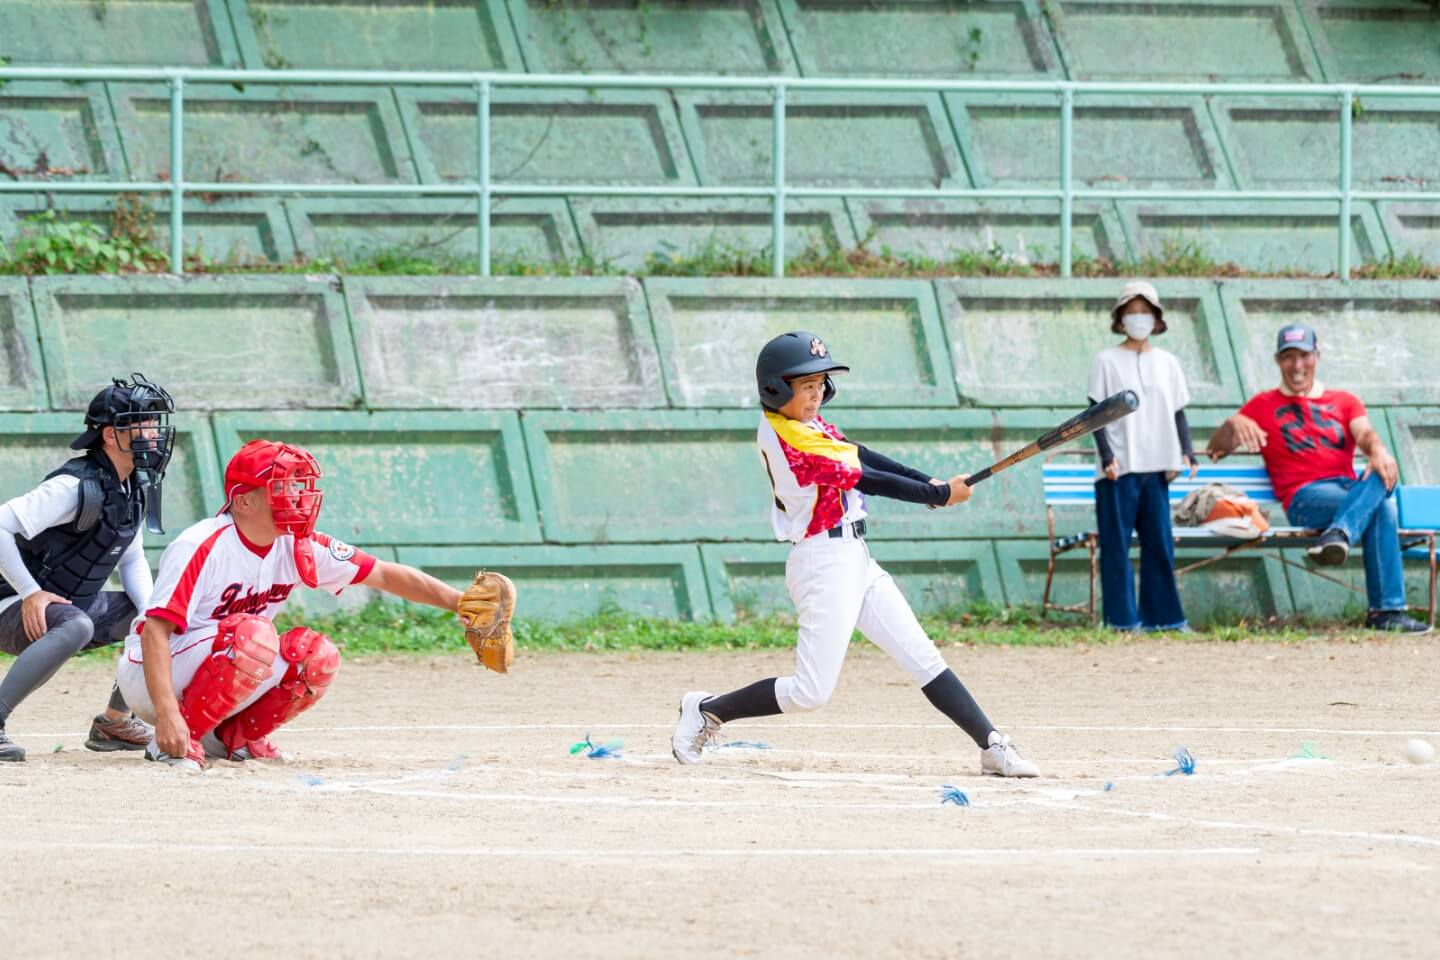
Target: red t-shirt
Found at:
1307, 438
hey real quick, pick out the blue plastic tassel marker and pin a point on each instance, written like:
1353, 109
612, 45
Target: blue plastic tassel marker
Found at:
1185, 763
596, 751
955, 795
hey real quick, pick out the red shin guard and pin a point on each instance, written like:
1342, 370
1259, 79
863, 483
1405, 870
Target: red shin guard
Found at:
243, 653
314, 661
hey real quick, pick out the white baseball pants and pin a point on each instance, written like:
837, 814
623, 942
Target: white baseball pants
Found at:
130, 676
837, 588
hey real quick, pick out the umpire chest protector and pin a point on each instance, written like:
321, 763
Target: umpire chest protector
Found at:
74, 560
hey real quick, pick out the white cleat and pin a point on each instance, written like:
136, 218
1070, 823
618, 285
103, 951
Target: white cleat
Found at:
188, 763
694, 730
1003, 759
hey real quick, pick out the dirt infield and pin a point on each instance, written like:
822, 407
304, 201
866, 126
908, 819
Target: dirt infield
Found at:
432, 810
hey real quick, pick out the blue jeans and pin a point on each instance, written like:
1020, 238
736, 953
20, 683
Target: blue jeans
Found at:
1137, 503
1365, 510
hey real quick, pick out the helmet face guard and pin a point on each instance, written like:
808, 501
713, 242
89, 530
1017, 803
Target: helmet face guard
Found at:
144, 417
295, 500
289, 476
294, 494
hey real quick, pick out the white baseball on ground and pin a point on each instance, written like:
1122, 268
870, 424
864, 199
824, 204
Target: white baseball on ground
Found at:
1419, 751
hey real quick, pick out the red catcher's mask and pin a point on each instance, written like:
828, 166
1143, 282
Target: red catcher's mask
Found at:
288, 475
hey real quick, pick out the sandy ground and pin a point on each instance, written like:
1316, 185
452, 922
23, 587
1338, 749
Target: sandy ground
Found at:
430, 809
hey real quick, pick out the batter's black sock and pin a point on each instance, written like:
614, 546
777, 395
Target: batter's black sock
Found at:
951, 698
756, 700
117, 700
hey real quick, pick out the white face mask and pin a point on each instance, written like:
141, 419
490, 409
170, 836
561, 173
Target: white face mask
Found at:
1138, 326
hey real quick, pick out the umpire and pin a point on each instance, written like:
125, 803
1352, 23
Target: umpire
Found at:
60, 542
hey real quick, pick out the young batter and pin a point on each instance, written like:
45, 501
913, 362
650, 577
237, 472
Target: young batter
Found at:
819, 481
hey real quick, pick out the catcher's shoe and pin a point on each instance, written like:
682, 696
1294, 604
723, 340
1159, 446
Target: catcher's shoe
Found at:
10, 751
126, 733
695, 729
192, 762
261, 749
1003, 759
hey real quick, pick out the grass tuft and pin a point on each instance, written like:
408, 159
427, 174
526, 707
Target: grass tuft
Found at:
387, 628
49, 244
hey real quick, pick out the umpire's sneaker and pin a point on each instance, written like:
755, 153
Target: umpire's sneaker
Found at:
695, 729
1332, 549
1003, 759
192, 762
10, 751
126, 733
1394, 621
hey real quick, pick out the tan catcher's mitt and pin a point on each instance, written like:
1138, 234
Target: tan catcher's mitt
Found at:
485, 608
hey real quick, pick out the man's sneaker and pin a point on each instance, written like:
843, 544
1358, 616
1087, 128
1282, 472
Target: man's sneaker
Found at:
1004, 759
192, 762
1332, 550
1394, 621
695, 729
126, 733
261, 749
10, 751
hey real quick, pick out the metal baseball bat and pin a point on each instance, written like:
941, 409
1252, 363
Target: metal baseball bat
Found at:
1083, 424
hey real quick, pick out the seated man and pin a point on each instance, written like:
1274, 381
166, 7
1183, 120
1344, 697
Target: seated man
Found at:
1307, 435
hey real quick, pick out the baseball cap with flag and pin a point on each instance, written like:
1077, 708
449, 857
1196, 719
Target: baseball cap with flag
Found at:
1296, 336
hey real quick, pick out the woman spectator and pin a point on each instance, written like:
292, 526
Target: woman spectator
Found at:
1139, 456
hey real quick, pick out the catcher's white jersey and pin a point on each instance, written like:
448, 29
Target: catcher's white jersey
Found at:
210, 571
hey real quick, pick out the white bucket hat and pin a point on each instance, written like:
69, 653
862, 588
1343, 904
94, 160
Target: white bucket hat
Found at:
1133, 289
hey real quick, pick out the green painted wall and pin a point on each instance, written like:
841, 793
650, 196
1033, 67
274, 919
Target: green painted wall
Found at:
604, 427
407, 135
597, 435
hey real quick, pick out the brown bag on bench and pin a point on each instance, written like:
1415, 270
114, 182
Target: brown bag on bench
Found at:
1224, 511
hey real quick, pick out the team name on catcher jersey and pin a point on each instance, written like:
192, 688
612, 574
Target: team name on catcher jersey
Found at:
813, 471
210, 572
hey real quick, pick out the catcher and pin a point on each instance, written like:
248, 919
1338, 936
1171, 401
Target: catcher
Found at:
204, 662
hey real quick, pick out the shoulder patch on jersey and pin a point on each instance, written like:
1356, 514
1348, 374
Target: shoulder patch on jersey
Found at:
341, 550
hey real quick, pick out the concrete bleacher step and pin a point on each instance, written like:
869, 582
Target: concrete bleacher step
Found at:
536, 231
599, 431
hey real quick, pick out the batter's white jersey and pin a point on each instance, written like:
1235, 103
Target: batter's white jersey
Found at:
813, 473
210, 571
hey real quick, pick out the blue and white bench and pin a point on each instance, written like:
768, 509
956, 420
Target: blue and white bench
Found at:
1073, 485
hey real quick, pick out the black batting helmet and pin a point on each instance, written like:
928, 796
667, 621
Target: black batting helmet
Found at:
790, 355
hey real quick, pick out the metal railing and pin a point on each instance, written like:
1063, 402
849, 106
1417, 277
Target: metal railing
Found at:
484, 189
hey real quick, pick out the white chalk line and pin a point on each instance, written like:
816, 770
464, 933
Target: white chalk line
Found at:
1264, 828
1047, 796
1063, 798
1017, 792
801, 725
591, 800
584, 853
583, 726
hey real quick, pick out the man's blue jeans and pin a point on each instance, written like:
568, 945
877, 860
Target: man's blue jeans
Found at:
1365, 510
1137, 503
